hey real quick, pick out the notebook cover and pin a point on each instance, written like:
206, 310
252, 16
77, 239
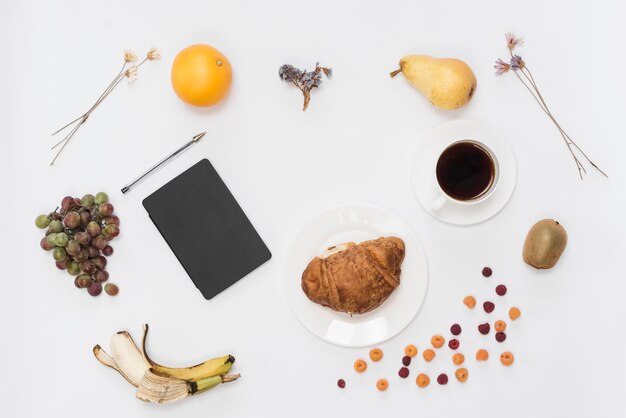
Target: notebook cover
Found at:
206, 229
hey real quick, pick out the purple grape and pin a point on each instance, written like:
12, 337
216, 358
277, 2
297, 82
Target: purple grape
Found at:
85, 217
101, 276
111, 231
88, 266
108, 250
106, 209
99, 242
100, 262
83, 280
66, 203
82, 237
62, 265
93, 252
71, 220
95, 288
82, 255
112, 220
45, 245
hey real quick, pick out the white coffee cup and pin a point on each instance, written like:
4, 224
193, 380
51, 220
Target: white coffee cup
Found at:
444, 197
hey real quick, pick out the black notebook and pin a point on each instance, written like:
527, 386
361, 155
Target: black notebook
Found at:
206, 229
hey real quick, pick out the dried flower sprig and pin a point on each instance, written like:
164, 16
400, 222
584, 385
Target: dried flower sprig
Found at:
518, 66
304, 80
128, 71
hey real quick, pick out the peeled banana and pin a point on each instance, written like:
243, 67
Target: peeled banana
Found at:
157, 383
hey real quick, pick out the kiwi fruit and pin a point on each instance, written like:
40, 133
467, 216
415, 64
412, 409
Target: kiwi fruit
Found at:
544, 244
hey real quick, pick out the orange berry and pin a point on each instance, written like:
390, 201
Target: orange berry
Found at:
360, 365
514, 313
437, 341
458, 358
469, 301
461, 374
500, 326
422, 380
382, 385
376, 354
482, 355
410, 350
507, 358
428, 354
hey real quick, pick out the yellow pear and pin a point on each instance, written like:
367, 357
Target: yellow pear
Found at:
448, 83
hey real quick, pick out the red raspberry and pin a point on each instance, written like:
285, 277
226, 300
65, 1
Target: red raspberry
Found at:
453, 344
403, 372
484, 328
406, 360
487, 272
341, 383
500, 336
501, 290
455, 329
489, 306
442, 379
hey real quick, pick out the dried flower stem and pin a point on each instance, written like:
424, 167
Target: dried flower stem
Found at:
124, 72
518, 66
303, 80
532, 87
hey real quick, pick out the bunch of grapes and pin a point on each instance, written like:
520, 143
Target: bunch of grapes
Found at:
78, 236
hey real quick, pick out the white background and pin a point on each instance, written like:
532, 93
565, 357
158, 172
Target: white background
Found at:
354, 144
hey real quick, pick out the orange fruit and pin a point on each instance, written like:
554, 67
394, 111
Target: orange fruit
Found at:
201, 75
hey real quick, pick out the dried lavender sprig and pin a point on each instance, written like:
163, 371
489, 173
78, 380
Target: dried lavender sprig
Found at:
305, 81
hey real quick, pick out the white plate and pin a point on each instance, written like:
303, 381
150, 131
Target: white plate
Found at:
424, 181
356, 223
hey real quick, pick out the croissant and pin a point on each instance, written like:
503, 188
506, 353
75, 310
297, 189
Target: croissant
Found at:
355, 278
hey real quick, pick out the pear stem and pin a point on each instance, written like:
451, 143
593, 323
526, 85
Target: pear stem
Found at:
395, 73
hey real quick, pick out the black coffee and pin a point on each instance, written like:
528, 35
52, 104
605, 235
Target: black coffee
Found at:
465, 171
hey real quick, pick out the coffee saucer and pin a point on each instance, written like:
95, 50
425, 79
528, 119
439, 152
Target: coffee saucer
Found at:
427, 190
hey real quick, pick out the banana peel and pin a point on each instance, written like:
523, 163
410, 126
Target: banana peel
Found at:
217, 366
157, 383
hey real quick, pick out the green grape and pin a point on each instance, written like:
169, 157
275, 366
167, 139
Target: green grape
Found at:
93, 228
87, 201
72, 247
73, 268
59, 254
55, 226
42, 221
101, 198
61, 239
50, 238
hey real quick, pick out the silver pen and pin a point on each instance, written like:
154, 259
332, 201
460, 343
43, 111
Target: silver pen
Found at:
195, 139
